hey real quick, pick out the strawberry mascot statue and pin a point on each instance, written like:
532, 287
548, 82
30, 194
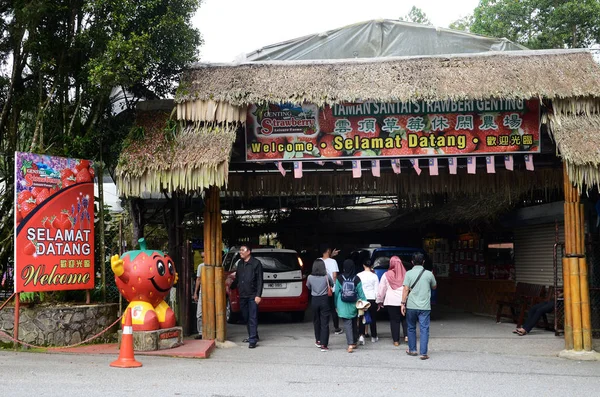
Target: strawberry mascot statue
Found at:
145, 277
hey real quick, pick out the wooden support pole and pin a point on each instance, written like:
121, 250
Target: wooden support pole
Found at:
582, 223
575, 303
210, 305
567, 305
221, 321
586, 316
578, 230
568, 231
204, 292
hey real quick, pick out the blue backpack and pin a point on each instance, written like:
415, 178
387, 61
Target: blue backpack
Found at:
348, 290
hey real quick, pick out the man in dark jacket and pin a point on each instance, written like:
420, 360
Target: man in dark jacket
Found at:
249, 280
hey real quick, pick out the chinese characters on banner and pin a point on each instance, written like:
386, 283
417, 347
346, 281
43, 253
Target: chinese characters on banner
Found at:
276, 132
54, 223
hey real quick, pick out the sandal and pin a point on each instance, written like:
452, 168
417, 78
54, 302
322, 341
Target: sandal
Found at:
412, 353
424, 357
406, 339
521, 332
350, 349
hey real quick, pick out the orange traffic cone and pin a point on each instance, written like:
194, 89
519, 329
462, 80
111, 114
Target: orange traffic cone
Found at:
126, 359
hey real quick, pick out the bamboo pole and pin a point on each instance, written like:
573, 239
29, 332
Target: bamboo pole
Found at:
221, 324
204, 281
220, 304
582, 223
567, 305
575, 303
586, 318
210, 278
568, 231
578, 229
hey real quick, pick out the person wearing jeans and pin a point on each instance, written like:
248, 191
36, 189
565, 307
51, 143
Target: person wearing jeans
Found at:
533, 316
249, 282
416, 304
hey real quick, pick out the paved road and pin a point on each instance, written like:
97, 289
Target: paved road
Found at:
470, 356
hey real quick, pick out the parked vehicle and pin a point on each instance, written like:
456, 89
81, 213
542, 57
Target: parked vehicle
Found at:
380, 257
284, 285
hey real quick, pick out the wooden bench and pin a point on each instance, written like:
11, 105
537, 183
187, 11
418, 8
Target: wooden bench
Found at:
519, 302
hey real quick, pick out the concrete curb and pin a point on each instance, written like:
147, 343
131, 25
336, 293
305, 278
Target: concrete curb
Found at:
580, 355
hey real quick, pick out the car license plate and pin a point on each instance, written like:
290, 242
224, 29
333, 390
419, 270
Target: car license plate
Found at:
275, 285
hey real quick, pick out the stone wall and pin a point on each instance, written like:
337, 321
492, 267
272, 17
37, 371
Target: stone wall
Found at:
60, 324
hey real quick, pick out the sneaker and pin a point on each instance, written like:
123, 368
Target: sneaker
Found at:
318, 344
338, 331
324, 349
252, 345
374, 339
361, 340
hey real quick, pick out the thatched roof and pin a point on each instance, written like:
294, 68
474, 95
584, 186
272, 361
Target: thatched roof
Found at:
513, 74
575, 127
173, 157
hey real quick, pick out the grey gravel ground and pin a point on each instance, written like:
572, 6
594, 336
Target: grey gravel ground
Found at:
470, 356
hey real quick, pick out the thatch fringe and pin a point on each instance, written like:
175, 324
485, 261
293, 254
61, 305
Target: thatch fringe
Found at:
211, 111
406, 184
189, 158
509, 75
574, 125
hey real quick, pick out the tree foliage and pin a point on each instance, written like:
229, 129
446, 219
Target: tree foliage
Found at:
463, 23
416, 15
62, 61
540, 23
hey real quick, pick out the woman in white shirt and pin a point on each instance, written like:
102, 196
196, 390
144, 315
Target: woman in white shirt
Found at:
390, 296
370, 286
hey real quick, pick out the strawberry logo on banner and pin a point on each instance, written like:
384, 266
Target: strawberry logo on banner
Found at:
54, 223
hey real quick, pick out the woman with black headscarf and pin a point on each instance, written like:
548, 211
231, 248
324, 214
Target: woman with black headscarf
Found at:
347, 291
318, 283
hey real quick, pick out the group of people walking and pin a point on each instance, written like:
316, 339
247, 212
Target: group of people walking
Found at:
356, 298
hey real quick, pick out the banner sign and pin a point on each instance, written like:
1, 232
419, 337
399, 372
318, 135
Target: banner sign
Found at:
54, 223
276, 132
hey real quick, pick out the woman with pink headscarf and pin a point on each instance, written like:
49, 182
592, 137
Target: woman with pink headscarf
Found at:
390, 296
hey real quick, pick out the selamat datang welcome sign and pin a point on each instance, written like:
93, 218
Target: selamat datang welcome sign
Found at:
276, 132
54, 223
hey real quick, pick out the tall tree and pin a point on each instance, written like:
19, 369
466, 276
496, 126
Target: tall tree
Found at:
463, 23
416, 15
540, 23
63, 60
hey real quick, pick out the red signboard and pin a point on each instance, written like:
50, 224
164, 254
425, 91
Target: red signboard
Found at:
54, 223
276, 132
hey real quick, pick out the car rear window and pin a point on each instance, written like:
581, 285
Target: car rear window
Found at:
381, 259
278, 261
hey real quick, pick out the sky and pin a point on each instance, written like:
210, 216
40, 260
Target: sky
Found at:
233, 27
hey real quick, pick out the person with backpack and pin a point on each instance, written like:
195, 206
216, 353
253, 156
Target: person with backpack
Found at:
390, 295
348, 290
320, 286
416, 304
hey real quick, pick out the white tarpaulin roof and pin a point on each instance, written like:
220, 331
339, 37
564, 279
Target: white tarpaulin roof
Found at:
381, 38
